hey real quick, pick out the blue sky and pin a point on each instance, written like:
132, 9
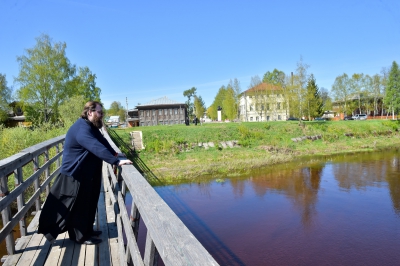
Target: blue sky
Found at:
144, 50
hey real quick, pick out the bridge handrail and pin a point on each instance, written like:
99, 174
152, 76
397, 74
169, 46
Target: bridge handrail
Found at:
13, 166
167, 236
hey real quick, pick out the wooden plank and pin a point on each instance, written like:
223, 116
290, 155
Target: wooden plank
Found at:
91, 255
40, 257
19, 248
121, 248
30, 250
81, 255
112, 227
132, 243
55, 251
67, 249
104, 250
34, 224
77, 250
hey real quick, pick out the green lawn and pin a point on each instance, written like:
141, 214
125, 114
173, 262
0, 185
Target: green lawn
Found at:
262, 144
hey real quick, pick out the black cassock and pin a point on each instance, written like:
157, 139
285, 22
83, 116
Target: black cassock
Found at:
72, 202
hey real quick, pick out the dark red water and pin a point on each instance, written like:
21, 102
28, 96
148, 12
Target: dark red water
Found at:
342, 212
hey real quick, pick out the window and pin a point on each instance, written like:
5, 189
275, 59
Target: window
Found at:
160, 111
170, 111
176, 112
154, 112
267, 106
141, 112
278, 106
251, 107
251, 118
165, 111
257, 118
262, 107
279, 117
267, 118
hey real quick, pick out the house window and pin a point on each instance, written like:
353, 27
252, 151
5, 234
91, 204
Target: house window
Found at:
267, 106
279, 117
160, 111
170, 111
262, 107
154, 112
251, 107
267, 118
141, 112
278, 106
251, 118
165, 111
176, 112
257, 118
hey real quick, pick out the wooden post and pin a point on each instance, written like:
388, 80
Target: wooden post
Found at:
47, 172
135, 218
20, 200
36, 182
150, 253
6, 214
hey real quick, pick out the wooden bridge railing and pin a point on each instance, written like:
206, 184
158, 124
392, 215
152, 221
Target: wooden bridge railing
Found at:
15, 166
167, 237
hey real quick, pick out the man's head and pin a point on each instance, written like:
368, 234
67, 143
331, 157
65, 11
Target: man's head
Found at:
93, 111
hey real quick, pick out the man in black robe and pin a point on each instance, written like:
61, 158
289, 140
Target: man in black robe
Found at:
72, 202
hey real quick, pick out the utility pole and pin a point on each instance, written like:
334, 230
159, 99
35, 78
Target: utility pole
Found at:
126, 115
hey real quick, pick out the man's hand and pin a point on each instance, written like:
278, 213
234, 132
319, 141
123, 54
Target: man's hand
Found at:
122, 162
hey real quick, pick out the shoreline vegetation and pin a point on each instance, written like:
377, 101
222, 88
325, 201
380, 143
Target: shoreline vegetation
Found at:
173, 153
262, 144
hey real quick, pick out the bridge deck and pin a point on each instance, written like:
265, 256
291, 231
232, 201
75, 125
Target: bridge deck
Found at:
34, 249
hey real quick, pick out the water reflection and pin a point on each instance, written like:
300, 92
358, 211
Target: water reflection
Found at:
345, 210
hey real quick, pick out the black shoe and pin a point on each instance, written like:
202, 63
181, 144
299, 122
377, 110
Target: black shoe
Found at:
92, 241
96, 233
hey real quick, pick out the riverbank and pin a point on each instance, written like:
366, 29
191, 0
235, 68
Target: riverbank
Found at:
173, 152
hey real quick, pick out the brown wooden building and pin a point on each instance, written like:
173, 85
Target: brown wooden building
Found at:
162, 111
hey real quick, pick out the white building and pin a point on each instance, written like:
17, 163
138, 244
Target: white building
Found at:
264, 102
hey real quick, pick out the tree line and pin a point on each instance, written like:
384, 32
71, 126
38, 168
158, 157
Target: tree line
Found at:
302, 96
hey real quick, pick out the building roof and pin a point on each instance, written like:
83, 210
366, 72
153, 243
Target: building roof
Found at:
264, 87
161, 101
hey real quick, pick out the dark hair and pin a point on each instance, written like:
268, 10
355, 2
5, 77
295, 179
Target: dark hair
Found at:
90, 105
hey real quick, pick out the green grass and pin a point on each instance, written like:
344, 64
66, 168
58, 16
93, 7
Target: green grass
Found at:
262, 144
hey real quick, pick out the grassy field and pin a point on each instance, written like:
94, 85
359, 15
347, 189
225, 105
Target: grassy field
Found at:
172, 152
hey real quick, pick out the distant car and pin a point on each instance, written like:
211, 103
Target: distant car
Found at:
348, 118
360, 117
320, 119
292, 119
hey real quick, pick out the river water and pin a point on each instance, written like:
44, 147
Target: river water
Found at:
342, 210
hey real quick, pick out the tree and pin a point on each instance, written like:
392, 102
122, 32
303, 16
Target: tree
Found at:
276, 77
357, 85
43, 77
218, 101
314, 105
85, 84
326, 99
71, 110
299, 86
341, 92
229, 104
199, 106
189, 94
5, 98
237, 92
393, 89
117, 109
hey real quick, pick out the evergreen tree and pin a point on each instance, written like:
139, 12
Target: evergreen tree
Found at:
314, 102
392, 97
